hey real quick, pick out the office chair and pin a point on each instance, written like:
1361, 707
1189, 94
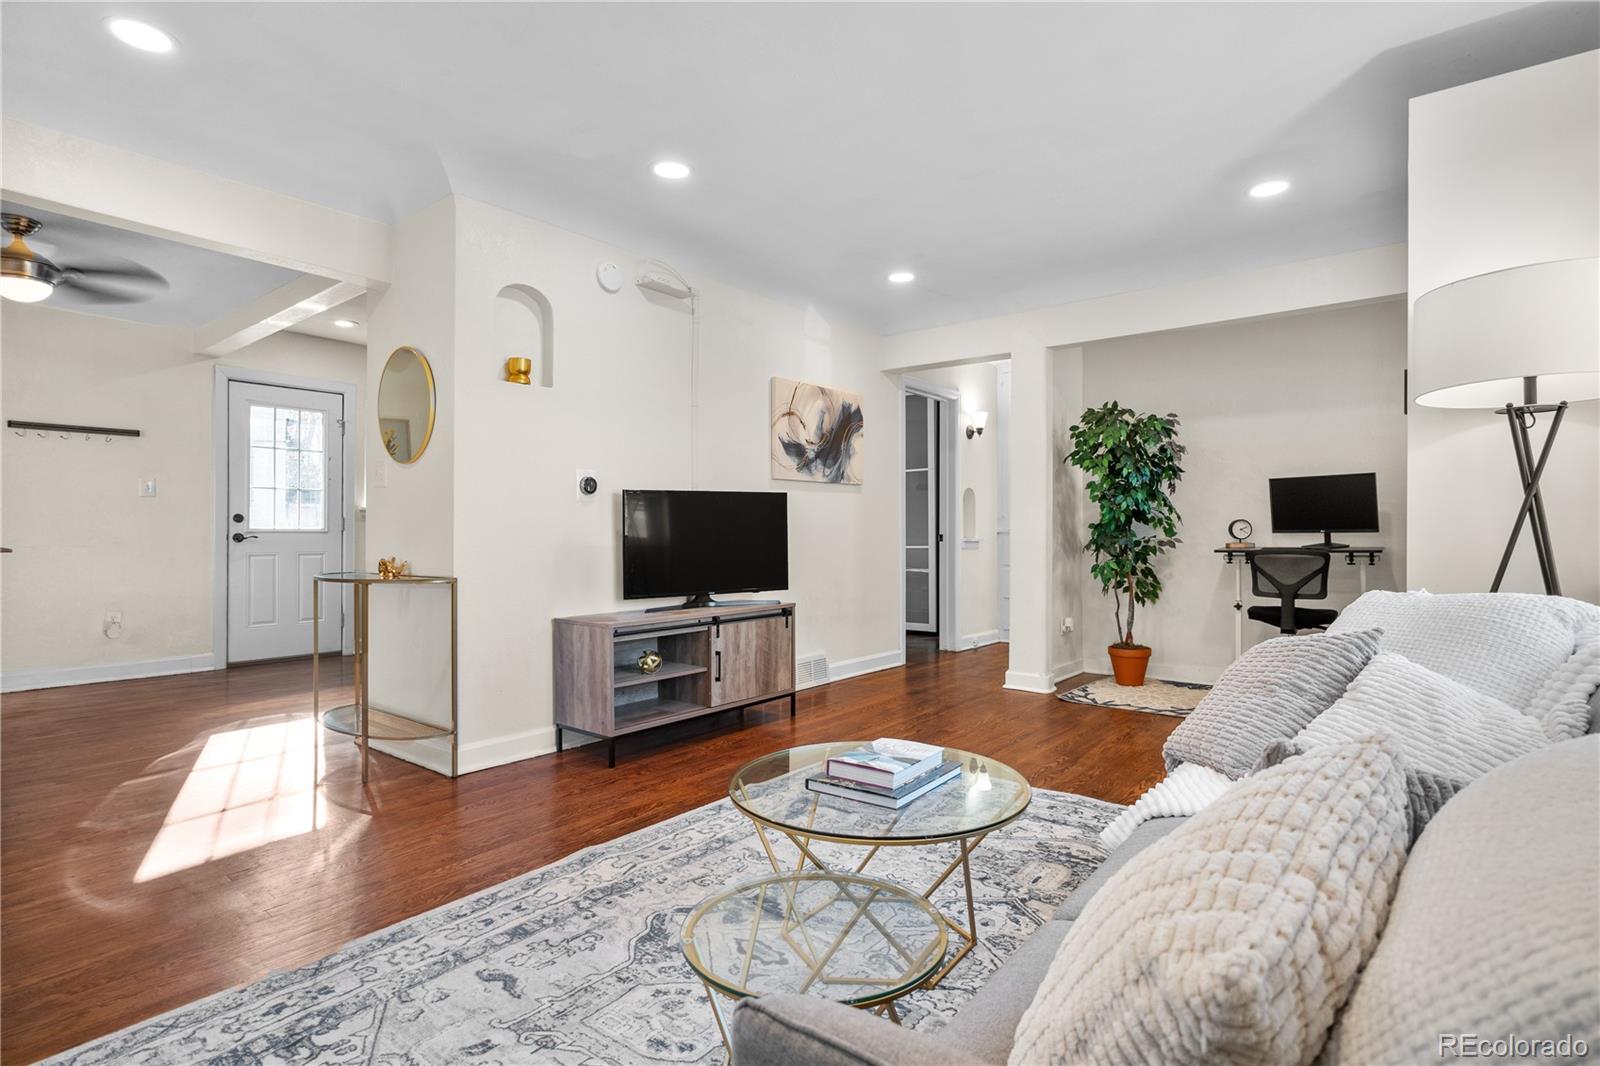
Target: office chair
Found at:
1289, 574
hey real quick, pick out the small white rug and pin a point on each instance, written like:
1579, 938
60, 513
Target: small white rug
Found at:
1172, 698
578, 963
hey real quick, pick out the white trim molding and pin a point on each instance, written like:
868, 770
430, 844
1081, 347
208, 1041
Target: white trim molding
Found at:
981, 640
61, 676
1024, 681
866, 664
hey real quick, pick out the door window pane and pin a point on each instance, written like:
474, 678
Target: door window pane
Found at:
288, 468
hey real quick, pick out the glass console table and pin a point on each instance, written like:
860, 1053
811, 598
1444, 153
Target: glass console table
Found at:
361, 719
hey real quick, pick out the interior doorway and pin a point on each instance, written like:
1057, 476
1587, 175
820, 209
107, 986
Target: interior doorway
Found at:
927, 498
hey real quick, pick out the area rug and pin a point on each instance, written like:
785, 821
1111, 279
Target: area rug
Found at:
579, 962
1174, 698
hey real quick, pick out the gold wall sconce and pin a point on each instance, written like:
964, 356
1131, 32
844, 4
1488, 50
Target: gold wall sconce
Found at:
519, 371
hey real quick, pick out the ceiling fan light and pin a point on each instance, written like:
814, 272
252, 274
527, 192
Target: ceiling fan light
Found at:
23, 289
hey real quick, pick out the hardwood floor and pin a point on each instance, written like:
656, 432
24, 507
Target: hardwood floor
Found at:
159, 842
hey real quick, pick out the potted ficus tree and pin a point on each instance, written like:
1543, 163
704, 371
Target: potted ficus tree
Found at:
1131, 466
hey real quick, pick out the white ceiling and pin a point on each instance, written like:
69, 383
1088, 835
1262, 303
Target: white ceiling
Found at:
1012, 155
202, 285
323, 325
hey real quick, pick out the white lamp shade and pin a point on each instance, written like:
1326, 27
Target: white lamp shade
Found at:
1475, 340
979, 419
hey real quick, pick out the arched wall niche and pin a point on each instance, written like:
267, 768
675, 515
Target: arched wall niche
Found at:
524, 327
969, 514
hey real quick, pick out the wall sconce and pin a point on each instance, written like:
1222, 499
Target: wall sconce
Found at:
976, 420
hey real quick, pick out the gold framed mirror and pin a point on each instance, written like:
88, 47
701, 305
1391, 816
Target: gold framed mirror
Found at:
406, 405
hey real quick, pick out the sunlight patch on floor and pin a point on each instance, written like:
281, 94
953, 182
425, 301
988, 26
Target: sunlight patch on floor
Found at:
249, 787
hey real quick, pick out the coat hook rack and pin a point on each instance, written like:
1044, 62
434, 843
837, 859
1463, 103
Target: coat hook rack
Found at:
66, 431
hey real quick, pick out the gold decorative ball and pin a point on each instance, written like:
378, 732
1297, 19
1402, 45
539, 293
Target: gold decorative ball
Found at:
650, 661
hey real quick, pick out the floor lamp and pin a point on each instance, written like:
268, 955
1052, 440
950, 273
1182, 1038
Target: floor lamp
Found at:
1524, 343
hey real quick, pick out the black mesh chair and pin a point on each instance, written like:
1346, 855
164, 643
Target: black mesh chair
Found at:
1289, 574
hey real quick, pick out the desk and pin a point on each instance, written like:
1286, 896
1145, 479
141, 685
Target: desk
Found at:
1369, 552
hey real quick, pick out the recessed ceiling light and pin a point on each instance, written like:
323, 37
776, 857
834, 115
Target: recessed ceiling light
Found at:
902, 277
346, 323
671, 169
140, 35
1269, 188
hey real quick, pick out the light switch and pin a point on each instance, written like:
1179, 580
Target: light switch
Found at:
147, 486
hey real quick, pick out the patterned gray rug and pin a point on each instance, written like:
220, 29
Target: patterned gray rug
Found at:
578, 962
1172, 698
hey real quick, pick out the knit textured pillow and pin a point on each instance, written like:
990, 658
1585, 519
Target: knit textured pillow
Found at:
1504, 644
1426, 792
1442, 726
1493, 931
1270, 693
1562, 704
1236, 937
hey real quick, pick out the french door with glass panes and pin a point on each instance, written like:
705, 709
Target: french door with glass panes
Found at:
285, 517
922, 513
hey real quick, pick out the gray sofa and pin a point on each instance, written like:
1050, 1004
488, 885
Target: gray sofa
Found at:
778, 1030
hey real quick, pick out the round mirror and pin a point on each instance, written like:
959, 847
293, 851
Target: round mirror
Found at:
406, 405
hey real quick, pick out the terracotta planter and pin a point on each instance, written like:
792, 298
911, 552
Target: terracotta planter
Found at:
1128, 664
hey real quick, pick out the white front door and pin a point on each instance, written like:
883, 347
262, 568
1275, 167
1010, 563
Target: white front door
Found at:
285, 519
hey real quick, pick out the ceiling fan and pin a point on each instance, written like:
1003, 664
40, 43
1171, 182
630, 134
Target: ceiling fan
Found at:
28, 277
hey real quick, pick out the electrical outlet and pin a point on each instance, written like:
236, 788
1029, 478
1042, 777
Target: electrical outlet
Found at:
147, 486
1066, 624
380, 476
112, 627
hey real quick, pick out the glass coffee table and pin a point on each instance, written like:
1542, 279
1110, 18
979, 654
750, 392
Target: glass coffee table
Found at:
857, 940
772, 792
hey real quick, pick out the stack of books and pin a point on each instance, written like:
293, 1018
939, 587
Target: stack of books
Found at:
886, 773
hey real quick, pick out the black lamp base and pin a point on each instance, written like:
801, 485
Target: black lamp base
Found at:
1521, 418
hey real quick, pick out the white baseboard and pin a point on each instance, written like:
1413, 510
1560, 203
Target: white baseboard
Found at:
1027, 681
865, 664
57, 677
980, 640
1066, 670
433, 753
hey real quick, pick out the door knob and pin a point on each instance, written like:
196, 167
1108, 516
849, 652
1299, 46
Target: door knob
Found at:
239, 538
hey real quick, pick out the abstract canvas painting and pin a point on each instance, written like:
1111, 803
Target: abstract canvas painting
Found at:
817, 433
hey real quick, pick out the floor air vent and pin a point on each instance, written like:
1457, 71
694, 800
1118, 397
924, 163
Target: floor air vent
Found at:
812, 670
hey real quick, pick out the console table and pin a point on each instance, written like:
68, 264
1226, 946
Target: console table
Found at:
720, 658
361, 719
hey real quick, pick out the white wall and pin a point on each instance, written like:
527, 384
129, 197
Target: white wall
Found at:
1503, 172
1314, 393
85, 542
498, 506
1039, 651
977, 469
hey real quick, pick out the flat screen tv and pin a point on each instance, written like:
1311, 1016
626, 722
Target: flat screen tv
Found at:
697, 544
1326, 504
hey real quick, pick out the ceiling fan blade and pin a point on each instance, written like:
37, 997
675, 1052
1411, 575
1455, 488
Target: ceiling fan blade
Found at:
112, 282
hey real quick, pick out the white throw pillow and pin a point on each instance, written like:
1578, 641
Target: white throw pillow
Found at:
1562, 705
1442, 726
1235, 938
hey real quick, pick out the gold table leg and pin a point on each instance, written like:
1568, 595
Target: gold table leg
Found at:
968, 936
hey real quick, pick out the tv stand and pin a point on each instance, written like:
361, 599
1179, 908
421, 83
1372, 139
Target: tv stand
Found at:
720, 657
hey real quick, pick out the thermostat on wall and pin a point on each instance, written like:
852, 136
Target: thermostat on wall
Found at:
609, 275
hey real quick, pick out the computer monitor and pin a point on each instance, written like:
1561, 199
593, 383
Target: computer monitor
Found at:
1326, 504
